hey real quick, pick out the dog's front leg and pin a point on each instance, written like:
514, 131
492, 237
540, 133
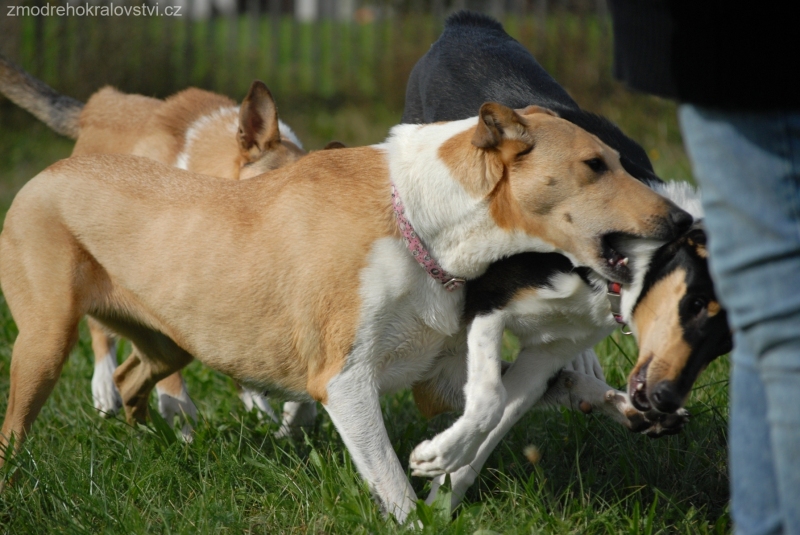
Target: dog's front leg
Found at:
484, 397
525, 383
588, 394
355, 410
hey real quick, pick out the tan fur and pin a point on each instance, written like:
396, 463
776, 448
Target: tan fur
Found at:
659, 330
172, 385
699, 248
429, 399
180, 217
566, 194
113, 122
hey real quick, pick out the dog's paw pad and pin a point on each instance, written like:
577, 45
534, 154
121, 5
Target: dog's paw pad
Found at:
666, 424
427, 460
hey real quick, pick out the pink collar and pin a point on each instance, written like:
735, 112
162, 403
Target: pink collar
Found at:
418, 250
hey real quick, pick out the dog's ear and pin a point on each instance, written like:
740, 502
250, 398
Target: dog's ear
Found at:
258, 121
498, 123
334, 145
530, 110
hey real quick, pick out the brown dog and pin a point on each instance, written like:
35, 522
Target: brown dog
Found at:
194, 130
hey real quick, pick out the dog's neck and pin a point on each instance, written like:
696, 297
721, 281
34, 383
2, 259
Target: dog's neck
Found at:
456, 227
417, 248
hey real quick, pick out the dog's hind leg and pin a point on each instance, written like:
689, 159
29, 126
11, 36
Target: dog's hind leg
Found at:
36, 362
155, 356
174, 402
253, 399
104, 393
355, 410
45, 281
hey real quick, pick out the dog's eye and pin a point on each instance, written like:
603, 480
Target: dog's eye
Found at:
525, 151
597, 165
697, 305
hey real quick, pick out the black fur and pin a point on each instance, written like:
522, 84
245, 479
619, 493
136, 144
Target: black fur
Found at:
476, 61
495, 288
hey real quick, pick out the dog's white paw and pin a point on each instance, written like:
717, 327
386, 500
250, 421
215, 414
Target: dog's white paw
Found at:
105, 395
436, 457
297, 417
179, 407
255, 400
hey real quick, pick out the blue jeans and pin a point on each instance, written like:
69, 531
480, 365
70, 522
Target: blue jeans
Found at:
748, 165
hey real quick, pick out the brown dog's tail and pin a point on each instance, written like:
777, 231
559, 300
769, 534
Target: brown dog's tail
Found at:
59, 112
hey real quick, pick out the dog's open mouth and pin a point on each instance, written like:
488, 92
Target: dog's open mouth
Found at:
615, 262
637, 389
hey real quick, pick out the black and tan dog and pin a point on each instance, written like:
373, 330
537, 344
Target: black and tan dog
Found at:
556, 309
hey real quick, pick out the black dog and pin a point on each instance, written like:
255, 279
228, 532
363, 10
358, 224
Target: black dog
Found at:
476, 61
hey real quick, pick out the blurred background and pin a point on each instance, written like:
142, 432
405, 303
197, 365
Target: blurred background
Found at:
337, 68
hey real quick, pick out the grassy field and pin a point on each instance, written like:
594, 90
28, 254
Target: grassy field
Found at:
80, 473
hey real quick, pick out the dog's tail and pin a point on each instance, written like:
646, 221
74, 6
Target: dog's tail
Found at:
59, 112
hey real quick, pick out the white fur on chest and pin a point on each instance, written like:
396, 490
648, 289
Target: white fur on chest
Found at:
405, 317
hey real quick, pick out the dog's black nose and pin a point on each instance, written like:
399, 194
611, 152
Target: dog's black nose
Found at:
665, 397
681, 220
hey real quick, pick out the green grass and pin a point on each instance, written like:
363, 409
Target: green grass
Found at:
80, 473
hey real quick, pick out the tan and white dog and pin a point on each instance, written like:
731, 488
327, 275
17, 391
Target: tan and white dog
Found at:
195, 130
201, 132
330, 305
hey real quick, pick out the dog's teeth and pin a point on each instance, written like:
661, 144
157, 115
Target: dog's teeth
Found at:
624, 261
639, 387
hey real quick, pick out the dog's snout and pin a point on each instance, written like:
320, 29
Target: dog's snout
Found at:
665, 397
681, 220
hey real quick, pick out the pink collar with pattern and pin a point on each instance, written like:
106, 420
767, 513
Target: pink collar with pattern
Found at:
418, 250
